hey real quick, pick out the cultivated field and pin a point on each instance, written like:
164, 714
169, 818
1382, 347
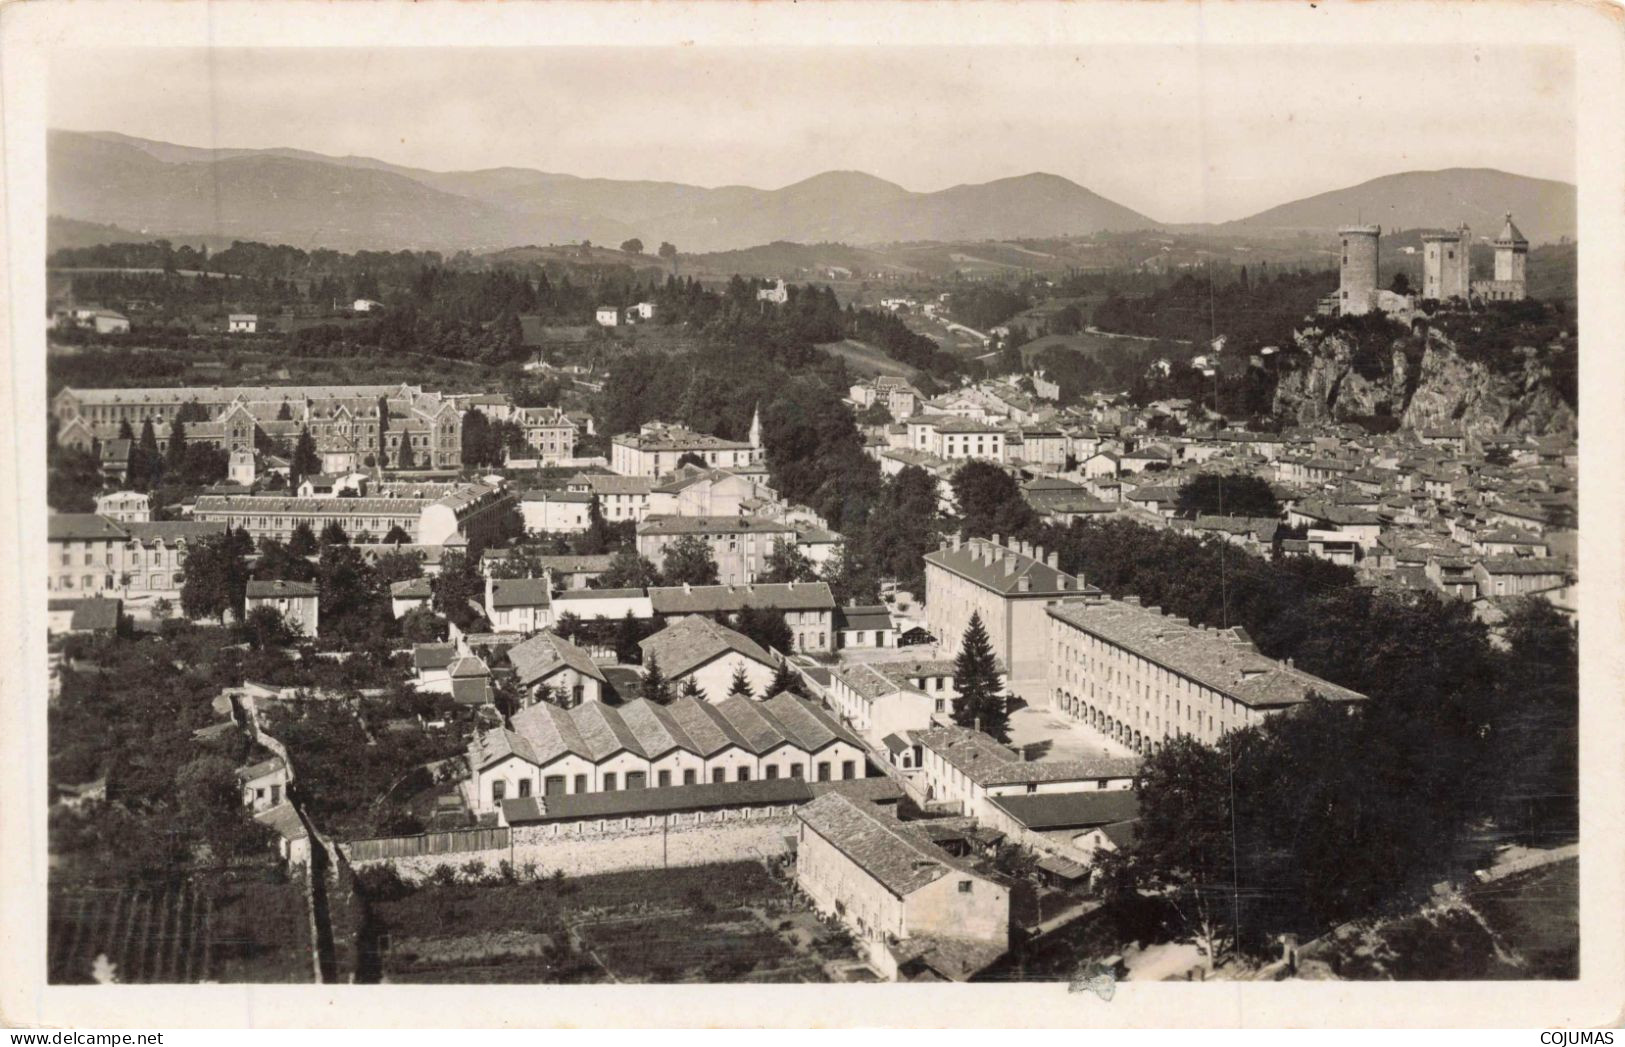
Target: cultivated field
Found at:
657, 925
866, 360
188, 932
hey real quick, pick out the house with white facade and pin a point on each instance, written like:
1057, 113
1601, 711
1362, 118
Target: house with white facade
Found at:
697, 647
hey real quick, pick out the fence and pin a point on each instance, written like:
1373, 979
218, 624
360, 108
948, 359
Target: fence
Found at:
458, 841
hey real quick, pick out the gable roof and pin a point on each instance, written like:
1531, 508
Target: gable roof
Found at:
521, 592
984, 563
786, 596
899, 860
433, 655
261, 590
82, 527
545, 654
1071, 810
688, 643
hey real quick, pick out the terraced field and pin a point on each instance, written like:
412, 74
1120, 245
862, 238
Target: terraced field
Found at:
192, 931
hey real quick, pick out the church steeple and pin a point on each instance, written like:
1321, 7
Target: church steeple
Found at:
756, 426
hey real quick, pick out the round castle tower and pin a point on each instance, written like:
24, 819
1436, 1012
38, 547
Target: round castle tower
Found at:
1357, 275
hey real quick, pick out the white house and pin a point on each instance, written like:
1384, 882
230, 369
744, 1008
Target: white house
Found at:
608, 316
242, 323
408, 595
556, 512
877, 705
263, 783
968, 768
297, 602
711, 654
549, 661
519, 605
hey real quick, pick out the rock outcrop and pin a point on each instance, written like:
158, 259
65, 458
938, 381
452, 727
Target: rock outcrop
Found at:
1423, 381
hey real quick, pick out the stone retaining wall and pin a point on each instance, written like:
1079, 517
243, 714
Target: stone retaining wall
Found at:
650, 842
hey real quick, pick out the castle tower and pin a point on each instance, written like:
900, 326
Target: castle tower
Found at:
1511, 254
1445, 264
1357, 275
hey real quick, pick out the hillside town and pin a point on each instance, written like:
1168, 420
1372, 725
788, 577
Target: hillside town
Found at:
440, 637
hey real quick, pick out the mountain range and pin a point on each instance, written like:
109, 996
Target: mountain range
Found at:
307, 199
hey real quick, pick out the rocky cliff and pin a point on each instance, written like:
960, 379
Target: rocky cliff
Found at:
1421, 379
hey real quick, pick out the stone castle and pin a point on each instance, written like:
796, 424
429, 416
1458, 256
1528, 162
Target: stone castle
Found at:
1446, 269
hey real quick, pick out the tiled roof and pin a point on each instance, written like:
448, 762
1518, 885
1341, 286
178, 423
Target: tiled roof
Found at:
1213, 658
573, 497
260, 590
274, 504
986, 762
433, 655
1522, 565
680, 440
546, 653
687, 643
1071, 810
81, 527
593, 731
609, 483
520, 592
917, 667
788, 596
576, 564
875, 617
411, 589
713, 525
899, 860
170, 531
984, 563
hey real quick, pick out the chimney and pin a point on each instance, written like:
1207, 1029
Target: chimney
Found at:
687, 588
1024, 583
996, 540
1009, 563
1054, 560
957, 538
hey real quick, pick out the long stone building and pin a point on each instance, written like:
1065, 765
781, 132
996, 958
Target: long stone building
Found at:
1142, 677
656, 449
91, 555
346, 422
740, 545
593, 747
481, 514
1008, 586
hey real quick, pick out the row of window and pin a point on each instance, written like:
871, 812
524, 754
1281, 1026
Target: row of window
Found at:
554, 784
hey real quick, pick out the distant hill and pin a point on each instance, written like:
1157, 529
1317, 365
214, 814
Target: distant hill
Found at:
306, 199
261, 196
298, 197
1543, 209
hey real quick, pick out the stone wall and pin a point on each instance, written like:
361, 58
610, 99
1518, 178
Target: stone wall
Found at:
649, 842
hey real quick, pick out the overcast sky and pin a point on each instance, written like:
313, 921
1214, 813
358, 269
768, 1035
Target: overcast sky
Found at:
1177, 134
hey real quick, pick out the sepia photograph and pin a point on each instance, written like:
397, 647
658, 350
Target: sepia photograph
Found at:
1056, 511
